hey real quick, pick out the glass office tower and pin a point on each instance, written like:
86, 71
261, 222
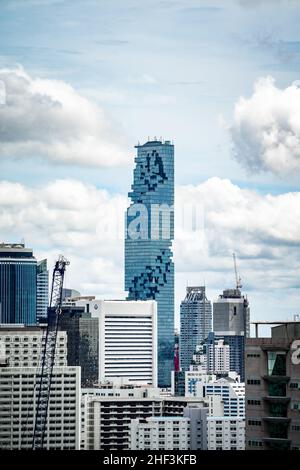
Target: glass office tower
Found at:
195, 323
149, 269
42, 292
18, 283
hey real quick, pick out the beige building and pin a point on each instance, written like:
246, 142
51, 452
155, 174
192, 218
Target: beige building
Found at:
273, 389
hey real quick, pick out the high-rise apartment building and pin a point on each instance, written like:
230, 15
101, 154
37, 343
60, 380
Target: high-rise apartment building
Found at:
218, 357
18, 284
149, 269
20, 354
195, 323
273, 390
42, 290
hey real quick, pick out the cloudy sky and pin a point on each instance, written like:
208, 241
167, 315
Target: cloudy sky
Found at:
85, 80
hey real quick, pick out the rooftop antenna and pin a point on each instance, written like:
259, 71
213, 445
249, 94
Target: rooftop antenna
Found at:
238, 280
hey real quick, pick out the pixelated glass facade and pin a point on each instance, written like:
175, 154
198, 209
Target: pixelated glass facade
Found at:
149, 269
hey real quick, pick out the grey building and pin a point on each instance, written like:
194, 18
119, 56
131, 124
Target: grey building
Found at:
195, 323
273, 389
232, 314
83, 342
18, 283
198, 426
42, 290
232, 324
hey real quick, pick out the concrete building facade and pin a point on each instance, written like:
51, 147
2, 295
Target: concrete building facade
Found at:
20, 351
273, 389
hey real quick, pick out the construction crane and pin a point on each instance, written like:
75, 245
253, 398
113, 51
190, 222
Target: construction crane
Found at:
48, 354
238, 280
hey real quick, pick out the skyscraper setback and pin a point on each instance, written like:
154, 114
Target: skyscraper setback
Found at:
149, 269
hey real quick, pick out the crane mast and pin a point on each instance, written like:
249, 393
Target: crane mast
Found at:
238, 280
44, 379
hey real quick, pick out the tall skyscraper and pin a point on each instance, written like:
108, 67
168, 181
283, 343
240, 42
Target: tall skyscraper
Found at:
42, 290
195, 323
149, 269
18, 284
232, 323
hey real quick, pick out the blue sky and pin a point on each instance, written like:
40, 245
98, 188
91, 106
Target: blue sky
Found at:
165, 68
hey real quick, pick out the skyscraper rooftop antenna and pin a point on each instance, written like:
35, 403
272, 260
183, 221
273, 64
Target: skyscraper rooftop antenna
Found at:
238, 280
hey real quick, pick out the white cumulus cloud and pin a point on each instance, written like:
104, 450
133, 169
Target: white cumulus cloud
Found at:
213, 219
49, 119
266, 129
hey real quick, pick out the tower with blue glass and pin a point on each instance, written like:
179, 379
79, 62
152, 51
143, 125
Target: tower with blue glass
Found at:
18, 284
149, 269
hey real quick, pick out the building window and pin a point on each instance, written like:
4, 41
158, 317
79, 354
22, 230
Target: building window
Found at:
276, 363
255, 443
254, 422
253, 402
253, 382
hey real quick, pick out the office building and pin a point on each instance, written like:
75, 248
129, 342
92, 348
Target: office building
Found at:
20, 352
195, 323
18, 284
83, 342
42, 290
160, 433
232, 394
178, 383
196, 376
273, 390
127, 338
149, 268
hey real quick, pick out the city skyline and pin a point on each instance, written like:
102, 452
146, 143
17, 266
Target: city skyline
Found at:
56, 192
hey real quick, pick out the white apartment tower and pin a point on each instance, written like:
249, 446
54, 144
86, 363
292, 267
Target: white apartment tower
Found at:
218, 357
